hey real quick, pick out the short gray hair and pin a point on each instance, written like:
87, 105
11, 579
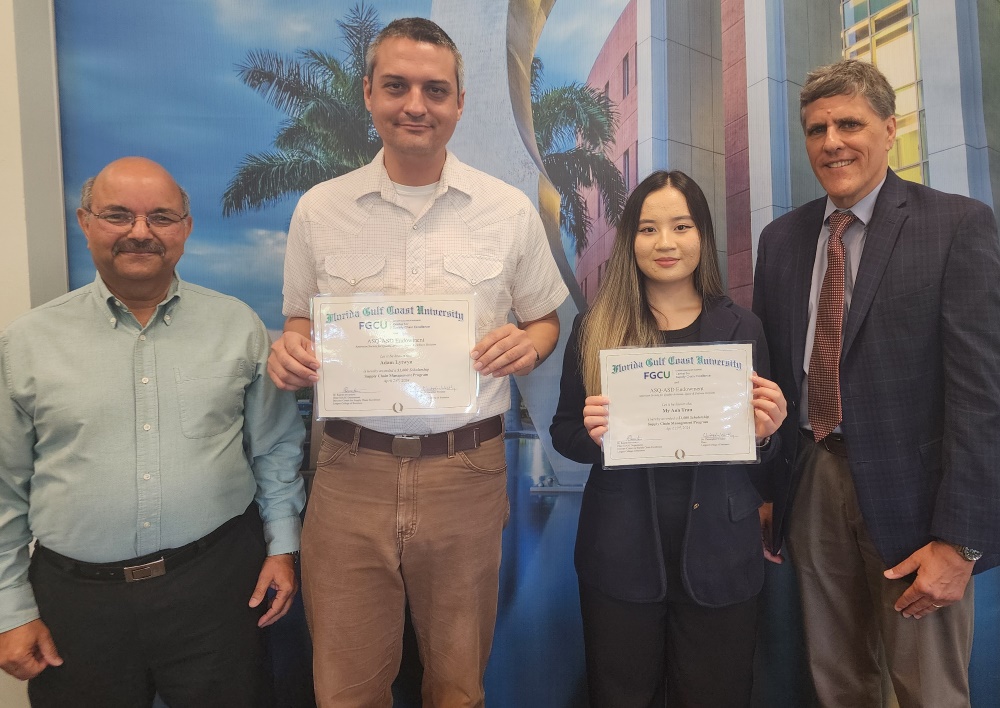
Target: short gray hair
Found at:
87, 196
850, 77
419, 29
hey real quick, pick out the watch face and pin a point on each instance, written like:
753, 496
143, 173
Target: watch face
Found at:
970, 554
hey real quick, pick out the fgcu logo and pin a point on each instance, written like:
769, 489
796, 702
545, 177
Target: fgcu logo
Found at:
656, 374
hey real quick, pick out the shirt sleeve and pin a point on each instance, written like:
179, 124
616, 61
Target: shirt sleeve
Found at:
538, 287
273, 434
17, 440
300, 268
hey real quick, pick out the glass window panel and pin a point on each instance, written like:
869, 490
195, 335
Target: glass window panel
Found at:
906, 100
895, 57
912, 174
857, 34
876, 6
855, 11
892, 17
907, 146
861, 53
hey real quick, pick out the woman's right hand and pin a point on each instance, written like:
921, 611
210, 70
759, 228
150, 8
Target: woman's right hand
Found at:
595, 417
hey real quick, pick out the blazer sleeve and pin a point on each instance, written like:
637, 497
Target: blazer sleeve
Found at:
969, 494
569, 436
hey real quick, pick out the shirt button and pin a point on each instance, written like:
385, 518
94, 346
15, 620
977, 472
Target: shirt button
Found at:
147, 426
118, 302
145, 524
113, 320
145, 476
414, 271
352, 281
142, 337
166, 318
696, 506
414, 227
145, 379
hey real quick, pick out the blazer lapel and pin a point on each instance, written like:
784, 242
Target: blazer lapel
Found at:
887, 219
718, 322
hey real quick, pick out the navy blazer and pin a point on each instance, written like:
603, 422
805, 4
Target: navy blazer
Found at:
919, 366
618, 545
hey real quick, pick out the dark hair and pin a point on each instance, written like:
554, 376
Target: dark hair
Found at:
708, 275
850, 77
620, 315
419, 29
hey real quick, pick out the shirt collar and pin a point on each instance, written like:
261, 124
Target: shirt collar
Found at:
116, 308
863, 210
375, 179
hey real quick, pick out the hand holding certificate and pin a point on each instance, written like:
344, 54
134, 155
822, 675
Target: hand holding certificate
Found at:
385, 355
679, 405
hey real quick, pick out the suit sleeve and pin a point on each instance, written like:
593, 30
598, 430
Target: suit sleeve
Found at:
969, 494
569, 436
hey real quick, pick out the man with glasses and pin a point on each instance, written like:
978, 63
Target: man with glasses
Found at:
144, 446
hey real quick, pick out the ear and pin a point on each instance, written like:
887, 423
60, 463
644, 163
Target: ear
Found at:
461, 103
891, 128
367, 90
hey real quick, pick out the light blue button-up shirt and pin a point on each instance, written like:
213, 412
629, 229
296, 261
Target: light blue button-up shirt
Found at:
118, 440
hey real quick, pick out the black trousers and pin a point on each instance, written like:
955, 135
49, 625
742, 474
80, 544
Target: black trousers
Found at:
188, 635
677, 654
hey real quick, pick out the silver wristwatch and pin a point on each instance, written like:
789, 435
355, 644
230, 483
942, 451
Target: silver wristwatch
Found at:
969, 554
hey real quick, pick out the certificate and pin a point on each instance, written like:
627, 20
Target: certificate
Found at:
679, 405
392, 355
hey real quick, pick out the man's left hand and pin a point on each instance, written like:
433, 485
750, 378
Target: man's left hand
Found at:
505, 350
942, 575
278, 572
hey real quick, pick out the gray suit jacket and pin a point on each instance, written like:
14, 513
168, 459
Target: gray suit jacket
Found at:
919, 371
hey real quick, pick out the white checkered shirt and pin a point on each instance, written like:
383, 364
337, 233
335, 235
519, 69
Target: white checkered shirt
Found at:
352, 235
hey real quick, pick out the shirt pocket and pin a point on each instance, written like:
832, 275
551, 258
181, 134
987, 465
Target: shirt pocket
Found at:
481, 276
210, 396
348, 273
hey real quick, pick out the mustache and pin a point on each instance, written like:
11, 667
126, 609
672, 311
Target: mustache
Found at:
134, 245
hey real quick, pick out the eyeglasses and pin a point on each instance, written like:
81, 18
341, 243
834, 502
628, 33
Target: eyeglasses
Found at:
122, 220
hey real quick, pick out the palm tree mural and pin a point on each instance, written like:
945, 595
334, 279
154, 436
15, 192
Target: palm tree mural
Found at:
574, 125
328, 131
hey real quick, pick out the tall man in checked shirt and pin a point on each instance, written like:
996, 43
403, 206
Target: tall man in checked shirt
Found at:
392, 520
144, 446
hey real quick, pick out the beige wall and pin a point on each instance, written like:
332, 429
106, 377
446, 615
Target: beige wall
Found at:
32, 240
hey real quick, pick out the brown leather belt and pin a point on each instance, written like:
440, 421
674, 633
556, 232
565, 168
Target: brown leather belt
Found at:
468, 437
833, 443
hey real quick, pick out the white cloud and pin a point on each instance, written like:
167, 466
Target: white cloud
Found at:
261, 251
291, 23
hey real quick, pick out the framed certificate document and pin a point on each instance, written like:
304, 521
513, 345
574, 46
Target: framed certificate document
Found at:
391, 355
679, 405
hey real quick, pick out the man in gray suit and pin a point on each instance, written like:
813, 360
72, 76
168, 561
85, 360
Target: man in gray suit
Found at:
888, 490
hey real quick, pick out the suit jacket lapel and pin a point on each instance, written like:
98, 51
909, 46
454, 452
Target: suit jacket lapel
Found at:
718, 322
887, 219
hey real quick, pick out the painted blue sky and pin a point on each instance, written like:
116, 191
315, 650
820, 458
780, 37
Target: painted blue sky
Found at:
159, 79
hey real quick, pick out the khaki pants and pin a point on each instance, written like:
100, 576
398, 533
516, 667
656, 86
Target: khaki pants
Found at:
383, 530
847, 604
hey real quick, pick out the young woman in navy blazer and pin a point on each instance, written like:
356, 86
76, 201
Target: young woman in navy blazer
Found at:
669, 559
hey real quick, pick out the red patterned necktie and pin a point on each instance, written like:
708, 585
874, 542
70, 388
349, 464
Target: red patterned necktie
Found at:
825, 413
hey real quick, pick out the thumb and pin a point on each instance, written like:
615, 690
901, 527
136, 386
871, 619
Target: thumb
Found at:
258, 592
47, 648
910, 565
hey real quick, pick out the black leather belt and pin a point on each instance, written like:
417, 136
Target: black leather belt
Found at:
468, 437
145, 567
833, 443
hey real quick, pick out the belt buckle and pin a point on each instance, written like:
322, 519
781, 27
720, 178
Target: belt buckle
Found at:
146, 571
406, 445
